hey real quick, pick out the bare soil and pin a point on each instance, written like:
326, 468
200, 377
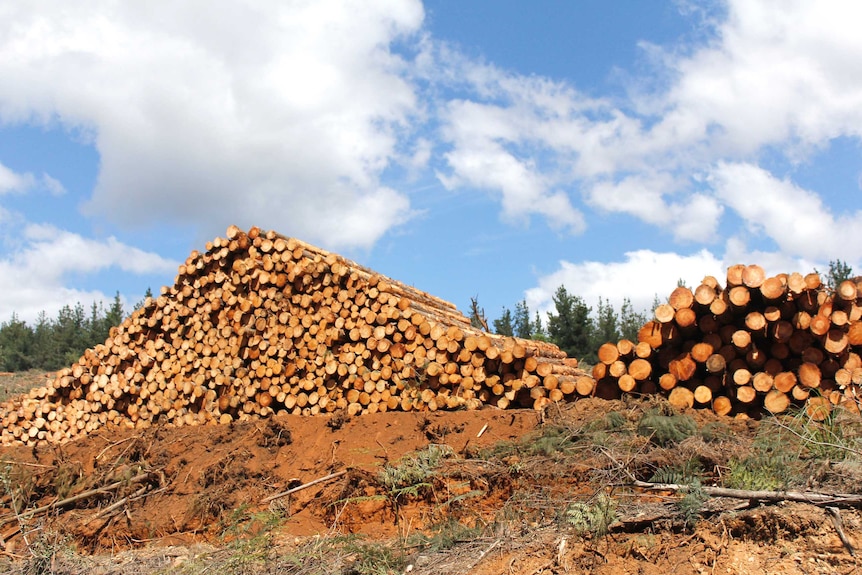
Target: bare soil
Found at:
192, 499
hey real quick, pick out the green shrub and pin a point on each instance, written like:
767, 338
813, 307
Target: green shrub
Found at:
664, 430
593, 517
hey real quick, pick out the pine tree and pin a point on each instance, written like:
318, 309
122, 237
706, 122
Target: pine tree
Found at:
503, 325
839, 271
95, 327
114, 316
522, 324
16, 345
630, 321
70, 335
570, 327
538, 329
44, 351
606, 329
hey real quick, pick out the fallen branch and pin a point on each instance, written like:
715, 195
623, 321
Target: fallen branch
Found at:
839, 527
75, 498
114, 444
9, 462
812, 497
304, 486
142, 492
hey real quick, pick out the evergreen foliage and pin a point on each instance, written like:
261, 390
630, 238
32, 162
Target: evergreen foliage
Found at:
630, 321
51, 344
538, 328
503, 324
606, 325
571, 327
522, 324
838, 272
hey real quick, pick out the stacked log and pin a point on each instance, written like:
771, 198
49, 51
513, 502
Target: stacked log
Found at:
758, 343
260, 324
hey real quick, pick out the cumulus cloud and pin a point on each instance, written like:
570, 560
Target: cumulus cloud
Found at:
643, 275
766, 75
11, 181
795, 218
779, 72
34, 278
694, 217
492, 148
248, 114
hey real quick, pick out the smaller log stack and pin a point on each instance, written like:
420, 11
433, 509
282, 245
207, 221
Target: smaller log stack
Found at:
756, 344
260, 323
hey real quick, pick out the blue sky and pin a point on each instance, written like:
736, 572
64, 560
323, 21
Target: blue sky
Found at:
496, 149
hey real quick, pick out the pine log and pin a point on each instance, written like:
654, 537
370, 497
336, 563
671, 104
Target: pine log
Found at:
776, 401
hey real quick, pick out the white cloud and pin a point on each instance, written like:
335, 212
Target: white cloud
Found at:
11, 181
767, 74
780, 71
54, 186
34, 278
248, 114
504, 144
640, 277
795, 218
525, 190
695, 217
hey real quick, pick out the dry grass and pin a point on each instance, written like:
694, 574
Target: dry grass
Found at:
13, 384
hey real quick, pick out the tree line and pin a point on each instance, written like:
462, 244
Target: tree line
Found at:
52, 343
573, 326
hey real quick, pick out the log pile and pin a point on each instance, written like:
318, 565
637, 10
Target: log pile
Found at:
260, 323
758, 343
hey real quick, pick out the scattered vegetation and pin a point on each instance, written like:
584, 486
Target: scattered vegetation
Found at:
574, 476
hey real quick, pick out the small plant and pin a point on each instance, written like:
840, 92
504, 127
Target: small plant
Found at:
716, 431
773, 463
664, 430
43, 547
413, 472
835, 438
691, 504
241, 522
681, 474
594, 517
552, 440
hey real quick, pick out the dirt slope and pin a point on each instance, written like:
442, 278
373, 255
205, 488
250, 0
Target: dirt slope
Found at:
505, 489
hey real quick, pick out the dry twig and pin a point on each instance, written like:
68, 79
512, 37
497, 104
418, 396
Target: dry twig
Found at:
811, 497
839, 527
304, 486
75, 498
